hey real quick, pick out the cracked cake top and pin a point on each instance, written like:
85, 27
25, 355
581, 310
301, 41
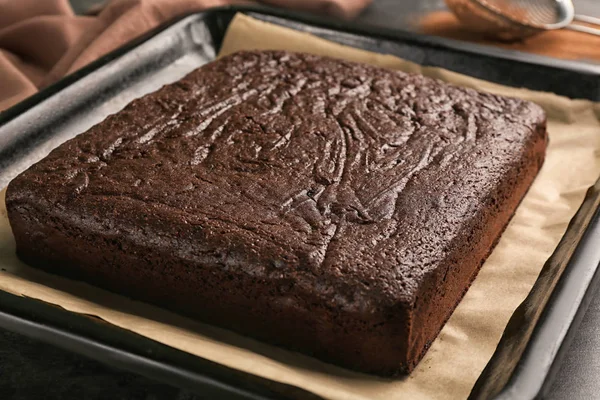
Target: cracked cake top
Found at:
341, 177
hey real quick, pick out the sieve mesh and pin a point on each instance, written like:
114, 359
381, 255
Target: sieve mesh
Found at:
529, 12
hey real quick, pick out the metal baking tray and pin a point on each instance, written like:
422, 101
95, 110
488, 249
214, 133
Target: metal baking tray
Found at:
537, 335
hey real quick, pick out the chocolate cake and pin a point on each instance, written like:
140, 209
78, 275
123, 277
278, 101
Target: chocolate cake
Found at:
334, 208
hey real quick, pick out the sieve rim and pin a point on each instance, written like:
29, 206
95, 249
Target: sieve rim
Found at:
567, 7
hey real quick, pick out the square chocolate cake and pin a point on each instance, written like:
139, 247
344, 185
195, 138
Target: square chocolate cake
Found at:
334, 208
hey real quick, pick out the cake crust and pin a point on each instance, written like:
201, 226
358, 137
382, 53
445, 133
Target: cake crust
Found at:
334, 208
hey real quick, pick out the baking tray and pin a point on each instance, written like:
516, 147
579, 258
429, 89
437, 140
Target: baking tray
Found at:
537, 335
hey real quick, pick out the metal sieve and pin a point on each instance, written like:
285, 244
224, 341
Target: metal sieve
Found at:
517, 19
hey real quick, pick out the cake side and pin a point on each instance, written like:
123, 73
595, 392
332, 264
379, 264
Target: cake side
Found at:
271, 310
325, 204
448, 283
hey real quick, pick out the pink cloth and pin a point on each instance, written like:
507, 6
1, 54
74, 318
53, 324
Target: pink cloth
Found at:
43, 40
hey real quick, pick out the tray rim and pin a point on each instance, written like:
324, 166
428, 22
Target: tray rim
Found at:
144, 355
7, 319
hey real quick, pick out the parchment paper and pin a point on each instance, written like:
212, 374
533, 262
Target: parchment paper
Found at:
459, 354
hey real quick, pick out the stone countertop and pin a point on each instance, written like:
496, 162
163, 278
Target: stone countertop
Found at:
33, 370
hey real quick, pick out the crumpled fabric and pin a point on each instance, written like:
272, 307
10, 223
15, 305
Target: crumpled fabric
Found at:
43, 40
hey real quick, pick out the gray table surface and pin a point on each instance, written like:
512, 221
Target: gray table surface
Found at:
33, 370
